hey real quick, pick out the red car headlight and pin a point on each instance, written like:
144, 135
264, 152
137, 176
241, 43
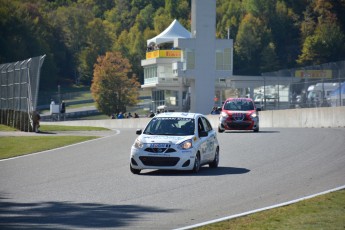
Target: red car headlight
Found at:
224, 115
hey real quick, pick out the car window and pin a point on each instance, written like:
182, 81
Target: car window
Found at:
206, 124
200, 125
239, 105
170, 126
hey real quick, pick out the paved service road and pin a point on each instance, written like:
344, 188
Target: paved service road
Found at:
90, 186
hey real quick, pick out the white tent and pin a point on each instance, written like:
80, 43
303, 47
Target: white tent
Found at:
175, 30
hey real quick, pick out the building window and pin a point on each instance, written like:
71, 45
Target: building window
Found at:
223, 59
150, 74
165, 97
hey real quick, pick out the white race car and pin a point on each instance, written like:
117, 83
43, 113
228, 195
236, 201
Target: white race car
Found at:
175, 141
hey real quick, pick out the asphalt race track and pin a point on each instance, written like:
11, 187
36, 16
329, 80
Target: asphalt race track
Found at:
90, 186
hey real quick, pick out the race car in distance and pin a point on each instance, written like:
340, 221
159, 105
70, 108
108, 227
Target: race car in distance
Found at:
239, 114
175, 141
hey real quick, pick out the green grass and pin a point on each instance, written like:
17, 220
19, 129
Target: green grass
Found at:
22, 145
322, 212
80, 105
18, 146
6, 128
48, 128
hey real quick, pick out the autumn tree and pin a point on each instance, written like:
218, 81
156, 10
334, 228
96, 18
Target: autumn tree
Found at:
324, 37
112, 87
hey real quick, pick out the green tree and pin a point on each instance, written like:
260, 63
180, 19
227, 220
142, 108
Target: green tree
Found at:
161, 20
285, 34
252, 36
268, 58
324, 40
229, 15
145, 18
25, 33
97, 43
112, 87
170, 8
71, 22
325, 45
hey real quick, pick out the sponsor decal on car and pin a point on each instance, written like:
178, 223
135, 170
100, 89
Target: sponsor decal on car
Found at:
159, 146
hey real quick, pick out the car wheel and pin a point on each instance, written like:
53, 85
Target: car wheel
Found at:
215, 162
220, 130
133, 170
196, 167
256, 130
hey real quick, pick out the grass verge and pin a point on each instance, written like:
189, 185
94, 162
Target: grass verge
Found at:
321, 212
18, 146
22, 145
47, 128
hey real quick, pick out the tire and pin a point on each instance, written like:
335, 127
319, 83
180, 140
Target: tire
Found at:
256, 130
133, 170
197, 166
215, 162
220, 130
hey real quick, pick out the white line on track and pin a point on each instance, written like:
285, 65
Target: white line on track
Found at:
260, 209
79, 143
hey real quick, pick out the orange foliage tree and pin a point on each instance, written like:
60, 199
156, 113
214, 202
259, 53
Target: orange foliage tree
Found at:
114, 86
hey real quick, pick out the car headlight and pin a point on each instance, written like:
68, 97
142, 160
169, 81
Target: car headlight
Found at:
224, 114
186, 144
253, 115
138, 144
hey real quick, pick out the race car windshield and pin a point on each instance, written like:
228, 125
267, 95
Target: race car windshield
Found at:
173, 126
239, 105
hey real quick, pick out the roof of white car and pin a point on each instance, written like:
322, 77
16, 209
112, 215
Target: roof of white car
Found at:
178, 114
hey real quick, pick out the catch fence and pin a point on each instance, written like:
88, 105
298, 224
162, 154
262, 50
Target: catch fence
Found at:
307, 87
19, 85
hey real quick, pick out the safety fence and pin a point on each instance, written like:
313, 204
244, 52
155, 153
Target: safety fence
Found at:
309, 87
19, 85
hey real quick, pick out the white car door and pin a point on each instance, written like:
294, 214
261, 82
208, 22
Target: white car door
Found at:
210, 143
203, 149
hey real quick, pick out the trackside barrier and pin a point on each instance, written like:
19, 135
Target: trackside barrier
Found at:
325, 117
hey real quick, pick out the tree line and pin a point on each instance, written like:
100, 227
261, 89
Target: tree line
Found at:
268, 34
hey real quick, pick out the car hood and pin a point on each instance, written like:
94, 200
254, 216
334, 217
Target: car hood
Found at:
148, 139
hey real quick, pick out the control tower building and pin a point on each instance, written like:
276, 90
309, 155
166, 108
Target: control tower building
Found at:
200, 63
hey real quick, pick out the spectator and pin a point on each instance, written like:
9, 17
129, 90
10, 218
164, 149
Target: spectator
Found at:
152, 114
36, 121
120, 116
136, 115
215, 110
63, 107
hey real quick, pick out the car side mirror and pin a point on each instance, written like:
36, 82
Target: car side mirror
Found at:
139, 131
203, 134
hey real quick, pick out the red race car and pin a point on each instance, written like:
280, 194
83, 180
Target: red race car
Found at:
239, 114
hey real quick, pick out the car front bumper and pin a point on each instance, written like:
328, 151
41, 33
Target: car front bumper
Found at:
179, 160
229, 124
